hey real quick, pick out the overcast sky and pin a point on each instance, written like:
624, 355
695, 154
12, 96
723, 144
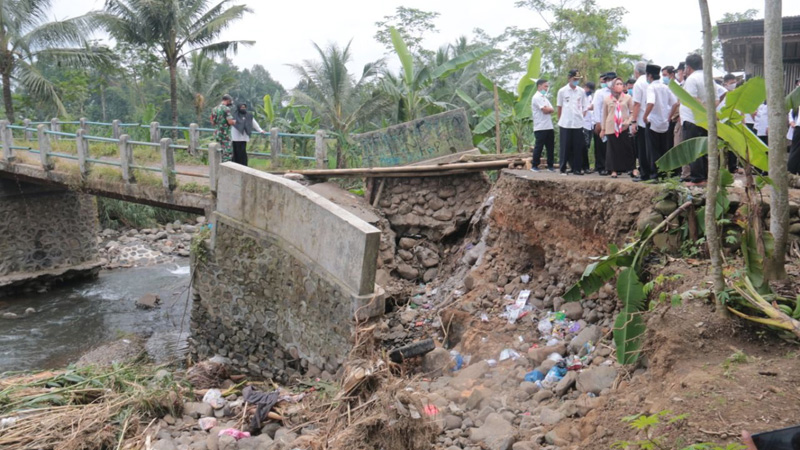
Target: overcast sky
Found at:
664, 31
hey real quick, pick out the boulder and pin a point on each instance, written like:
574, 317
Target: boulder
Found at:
666, 207
407, 243
452, 422
435, 362
537, 355
525, 445
573, 310
589, 334
550, 416
196, 410
148, 301
596, 379
407, 272
566, 383
496, 433
543, 395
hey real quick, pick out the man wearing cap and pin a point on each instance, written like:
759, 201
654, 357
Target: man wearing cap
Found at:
656, 116
222, 120
571, 103
600, 97
639, 105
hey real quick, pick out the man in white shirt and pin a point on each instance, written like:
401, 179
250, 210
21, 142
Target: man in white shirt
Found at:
695, 87
656, 116
794, 131
571, 102
542, 111
639, 105
588, 124
600, 96
761, 119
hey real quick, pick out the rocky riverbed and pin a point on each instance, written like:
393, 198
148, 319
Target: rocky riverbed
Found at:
148, 246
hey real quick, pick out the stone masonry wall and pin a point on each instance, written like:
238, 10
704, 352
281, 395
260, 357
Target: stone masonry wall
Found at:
422, 212
267, 308
45, 234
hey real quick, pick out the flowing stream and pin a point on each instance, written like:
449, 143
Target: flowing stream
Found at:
73, 319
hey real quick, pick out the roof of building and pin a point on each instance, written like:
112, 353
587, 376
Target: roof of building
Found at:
754, 29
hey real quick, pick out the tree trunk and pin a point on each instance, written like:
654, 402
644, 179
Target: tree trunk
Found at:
173, 95
7, 100
103, 102
712, 234
778, 171
339, 157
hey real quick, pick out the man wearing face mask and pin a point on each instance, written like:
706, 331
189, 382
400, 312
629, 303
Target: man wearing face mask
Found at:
656, 116
588, 124
639, 105
240, 135
600, 96
571, 103
543, 132
222, 120
667, 77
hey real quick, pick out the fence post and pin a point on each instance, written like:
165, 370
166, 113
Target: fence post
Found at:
213, 165
83, 152
28, 133
167, 164
320, 149
126, 158
54, 126
8, 142
44, 147
194, 139
275, 146
83, 125
115, 129
155, 132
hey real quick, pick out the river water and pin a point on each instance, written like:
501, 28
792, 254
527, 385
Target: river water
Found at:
73, 319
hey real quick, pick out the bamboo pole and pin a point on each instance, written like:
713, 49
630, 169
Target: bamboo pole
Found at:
496, 119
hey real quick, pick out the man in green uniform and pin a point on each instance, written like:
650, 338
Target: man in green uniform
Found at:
222, 120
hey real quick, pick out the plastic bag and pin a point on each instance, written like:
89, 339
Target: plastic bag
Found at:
509, 353
525, 278
207, 423
214, 398
234, 433
519, 308
459, 360
555, 357
533, 376
545, 327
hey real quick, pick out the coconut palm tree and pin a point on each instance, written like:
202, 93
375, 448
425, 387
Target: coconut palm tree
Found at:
27, 39
199, 84
175, 29
332, 93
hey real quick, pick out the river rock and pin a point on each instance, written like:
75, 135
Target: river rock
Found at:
407, 272
794, 228
596, 379
227, 443
196, 410
496, 433
452, 422
407, 243
537, 355
550, 417
148, 301
164, 444
591, 334
566, 383
573, 310
666, 207
436, 361
9, 315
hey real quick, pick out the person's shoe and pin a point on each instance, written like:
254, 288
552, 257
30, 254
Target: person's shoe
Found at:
580, 172
636, 179
535, 169
550, 169
603, 173
588, 171
696, 183
563, 174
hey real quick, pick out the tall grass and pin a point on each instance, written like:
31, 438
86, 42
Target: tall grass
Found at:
116, 214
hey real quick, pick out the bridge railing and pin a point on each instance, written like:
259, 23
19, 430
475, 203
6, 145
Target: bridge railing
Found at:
130, 160
195, 139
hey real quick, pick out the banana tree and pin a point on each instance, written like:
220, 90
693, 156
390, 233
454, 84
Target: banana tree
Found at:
412, 89
515, 109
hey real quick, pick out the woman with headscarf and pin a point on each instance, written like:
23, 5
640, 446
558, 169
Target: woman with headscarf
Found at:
240, 133
617, 117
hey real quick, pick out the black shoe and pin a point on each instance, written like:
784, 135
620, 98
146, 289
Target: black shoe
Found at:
580, 172
603, 173
636, 179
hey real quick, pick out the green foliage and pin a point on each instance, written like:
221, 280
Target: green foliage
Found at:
116, 214
629, 325
411, 25
194, 187
655, 427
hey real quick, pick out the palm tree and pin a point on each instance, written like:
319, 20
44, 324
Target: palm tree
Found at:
175, 29
199, 84
28, 38
332, 93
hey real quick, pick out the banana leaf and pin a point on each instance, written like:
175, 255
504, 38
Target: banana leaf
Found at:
692, 103
469, 101
629, 327
744, 99
684, 153
406, 59
534, 69
459, 62
522, 108
793, 100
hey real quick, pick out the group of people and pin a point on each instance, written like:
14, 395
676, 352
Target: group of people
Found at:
632, 120
232, 130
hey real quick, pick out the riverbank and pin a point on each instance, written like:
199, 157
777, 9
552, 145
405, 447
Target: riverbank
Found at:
130, 247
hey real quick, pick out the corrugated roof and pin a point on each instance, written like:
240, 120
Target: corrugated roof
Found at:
755, 28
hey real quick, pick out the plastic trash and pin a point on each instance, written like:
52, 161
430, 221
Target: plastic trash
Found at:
575, 327
234, 433
555, 357
560, 316
552, 341
214, 398
459, 360
8, 422
509, 354
207, 423
533, 376
491, 362
555, 374
484, 317
525, 278
519, 308
545, 327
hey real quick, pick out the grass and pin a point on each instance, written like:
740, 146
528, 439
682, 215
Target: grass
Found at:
147, 178
194, 188
105, 173
116, 214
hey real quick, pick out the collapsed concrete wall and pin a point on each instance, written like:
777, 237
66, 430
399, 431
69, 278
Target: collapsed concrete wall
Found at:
278, 285
47, 235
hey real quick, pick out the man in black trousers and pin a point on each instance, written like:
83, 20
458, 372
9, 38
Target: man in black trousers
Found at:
571, 102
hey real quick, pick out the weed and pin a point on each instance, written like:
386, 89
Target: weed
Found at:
106, 173
147, 178
194, 188
730, 363
654, 428
116, 214
198, 248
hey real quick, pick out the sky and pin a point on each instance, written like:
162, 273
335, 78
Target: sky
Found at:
664, 32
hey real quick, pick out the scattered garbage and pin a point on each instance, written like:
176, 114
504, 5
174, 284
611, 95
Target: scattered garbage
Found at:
525, 278
553, 376
545, 327
8, 422
484, 317
234, 433
519, 308
575, 327
509, 354
491, 362
556, 357
207, 423
459, 359
431, 410
533, 376
214, 398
